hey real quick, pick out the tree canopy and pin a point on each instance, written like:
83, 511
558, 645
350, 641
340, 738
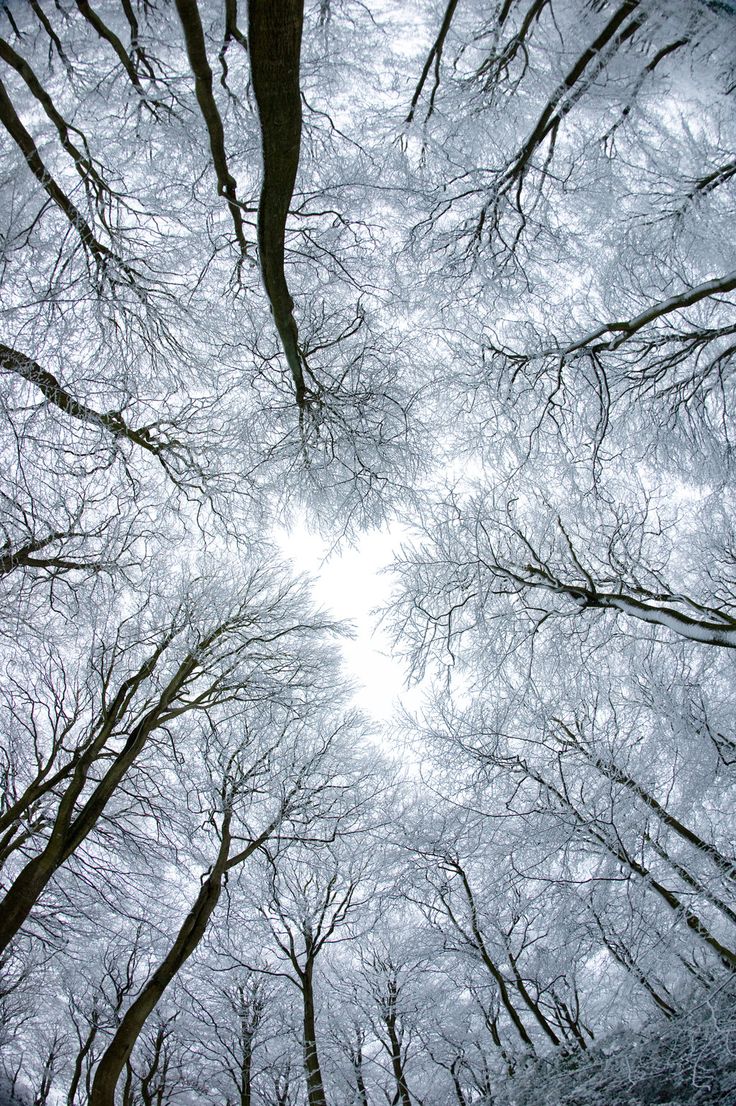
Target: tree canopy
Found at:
461, 270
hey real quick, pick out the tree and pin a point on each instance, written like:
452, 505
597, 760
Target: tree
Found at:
198, 650
169, 353
258, 759
311, 902
386, 976
235, 1032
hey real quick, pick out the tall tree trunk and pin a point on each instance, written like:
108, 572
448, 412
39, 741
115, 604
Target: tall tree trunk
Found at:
480, 945
397, 1063
360, 1083
275, 38
312, 1069
459, 1093
623, 957
691, 881
246, 1066
119, 1050
725, 865
531, 1005
197, 53
617, 849
85, 1047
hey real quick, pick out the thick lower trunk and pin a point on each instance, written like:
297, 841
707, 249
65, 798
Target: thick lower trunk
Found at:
459, 1093
360, 1086
25, 892
190, 934
67, 835
312, 1069
246, 1065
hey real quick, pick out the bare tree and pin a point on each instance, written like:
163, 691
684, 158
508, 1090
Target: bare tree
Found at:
189, 661
312, 904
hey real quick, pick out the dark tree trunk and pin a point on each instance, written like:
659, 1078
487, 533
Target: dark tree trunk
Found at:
480, 945
71, 829
246, 1066
531, 1004
312, 1069
274, 39
197, 53
359, 1080
613, 772
190, 934
397, 1064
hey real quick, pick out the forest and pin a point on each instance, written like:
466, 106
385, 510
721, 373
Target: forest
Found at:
457, 272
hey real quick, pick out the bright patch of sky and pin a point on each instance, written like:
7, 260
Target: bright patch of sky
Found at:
350, 584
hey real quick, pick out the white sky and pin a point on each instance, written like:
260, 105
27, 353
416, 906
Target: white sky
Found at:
350, 584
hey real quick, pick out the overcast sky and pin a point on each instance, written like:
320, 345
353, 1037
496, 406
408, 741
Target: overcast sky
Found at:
350, 584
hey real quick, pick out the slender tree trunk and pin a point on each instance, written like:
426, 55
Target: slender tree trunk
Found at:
570, 1021
531, 1004
397, 1063
197, 53
434, 55
459, 1093
613, 772
360, 1082
631, 966
691, 881
109, 36
492, 1027
355, 1053
616, 849
480, 945
80, 1059
246, 1066
14, 126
